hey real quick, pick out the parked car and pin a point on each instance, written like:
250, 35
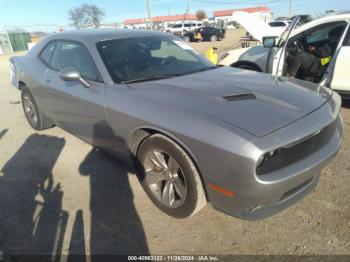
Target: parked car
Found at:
249, 143
275, 55
280, 23
206, 33
303, 19
183, 28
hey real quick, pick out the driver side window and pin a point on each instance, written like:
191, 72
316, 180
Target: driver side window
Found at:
73, 54
321, 33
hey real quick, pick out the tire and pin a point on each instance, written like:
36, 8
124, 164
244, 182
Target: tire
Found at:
247, 67
169, 177
187, 39
213, 38
34, 116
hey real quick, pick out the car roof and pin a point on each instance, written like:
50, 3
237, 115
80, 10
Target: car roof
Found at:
97, 35
325, 19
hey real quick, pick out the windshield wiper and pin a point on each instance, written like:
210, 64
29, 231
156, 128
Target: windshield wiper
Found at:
200, 70
148, 78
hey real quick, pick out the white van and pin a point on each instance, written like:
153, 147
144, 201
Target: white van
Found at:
183, 28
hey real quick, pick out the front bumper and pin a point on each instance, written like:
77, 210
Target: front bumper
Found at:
257, 196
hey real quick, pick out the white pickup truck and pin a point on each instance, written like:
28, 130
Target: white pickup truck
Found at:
272, 56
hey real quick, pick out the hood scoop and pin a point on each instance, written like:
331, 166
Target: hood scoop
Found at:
238, 97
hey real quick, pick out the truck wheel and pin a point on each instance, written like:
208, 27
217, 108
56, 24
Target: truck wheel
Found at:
35, 117
169, 177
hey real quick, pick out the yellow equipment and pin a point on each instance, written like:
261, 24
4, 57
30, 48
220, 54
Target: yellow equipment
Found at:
326, 60
212, 55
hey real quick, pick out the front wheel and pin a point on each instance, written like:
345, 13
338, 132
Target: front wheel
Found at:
169, 177
213, 38
35, 117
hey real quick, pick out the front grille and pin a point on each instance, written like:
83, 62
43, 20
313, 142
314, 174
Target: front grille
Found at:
297, 152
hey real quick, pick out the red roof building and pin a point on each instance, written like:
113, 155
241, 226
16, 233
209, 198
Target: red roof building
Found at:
134, 21
160, 19
248, 10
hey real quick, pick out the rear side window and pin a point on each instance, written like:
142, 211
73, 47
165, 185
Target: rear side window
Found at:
47, 53
73, 54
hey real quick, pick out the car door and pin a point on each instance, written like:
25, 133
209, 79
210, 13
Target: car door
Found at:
276, 55
315, 36
340, 74
75, 108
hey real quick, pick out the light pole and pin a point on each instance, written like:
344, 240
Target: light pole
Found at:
149, 13
290, 8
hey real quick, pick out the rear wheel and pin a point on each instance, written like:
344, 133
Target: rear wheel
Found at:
169, 177
35, 117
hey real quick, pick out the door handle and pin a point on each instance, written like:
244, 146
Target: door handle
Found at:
48, 80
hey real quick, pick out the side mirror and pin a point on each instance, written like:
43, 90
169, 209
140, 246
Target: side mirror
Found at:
72, 74
269, 41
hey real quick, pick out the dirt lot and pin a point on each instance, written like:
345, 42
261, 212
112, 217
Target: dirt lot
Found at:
58, 196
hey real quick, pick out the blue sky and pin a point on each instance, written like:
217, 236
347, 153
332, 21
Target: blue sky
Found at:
51, 14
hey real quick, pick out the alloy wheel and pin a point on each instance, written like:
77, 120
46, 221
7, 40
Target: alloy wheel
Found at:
29, 108
165, 179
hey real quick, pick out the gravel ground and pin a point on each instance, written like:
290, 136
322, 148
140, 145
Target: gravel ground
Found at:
58, 196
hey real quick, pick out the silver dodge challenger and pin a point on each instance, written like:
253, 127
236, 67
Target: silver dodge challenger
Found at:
249, 143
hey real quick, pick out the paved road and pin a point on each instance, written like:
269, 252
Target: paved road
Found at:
59, 196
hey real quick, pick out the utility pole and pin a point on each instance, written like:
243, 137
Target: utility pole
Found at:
149, 13
290, 8
188, 7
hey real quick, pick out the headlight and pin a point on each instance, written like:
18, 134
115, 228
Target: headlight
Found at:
260, 160
265, 157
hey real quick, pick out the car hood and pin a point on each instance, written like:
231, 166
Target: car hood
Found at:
257, 28
255, 102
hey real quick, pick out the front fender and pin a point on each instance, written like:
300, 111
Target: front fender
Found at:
256, 54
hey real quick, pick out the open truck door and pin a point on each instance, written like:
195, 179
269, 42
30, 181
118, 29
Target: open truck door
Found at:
276, 59
338, 76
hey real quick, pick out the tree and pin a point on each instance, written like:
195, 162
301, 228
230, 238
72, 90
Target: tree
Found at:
86, 15
200, 14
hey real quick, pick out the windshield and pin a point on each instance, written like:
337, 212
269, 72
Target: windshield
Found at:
177, 26
131, 59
